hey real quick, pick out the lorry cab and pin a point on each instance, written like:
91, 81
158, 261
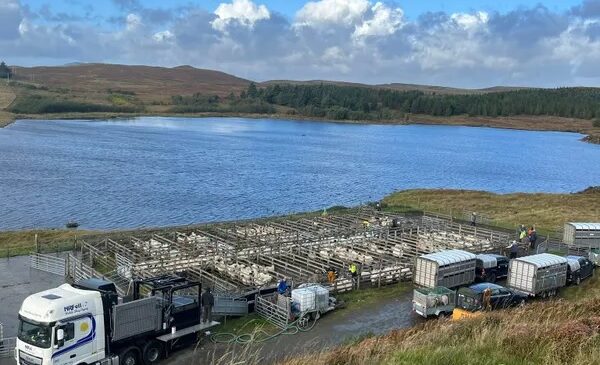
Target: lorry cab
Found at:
64, 325
578, 268
491, 267
469, 300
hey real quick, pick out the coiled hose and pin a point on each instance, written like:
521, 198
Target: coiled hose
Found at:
260, 335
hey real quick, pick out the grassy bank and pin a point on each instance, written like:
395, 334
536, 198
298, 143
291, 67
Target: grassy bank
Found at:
561, 331
549, 333
14, 243
546, 211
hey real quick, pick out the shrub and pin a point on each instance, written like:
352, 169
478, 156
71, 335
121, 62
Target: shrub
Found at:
596, 123
37, 104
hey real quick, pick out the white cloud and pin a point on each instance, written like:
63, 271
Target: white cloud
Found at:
244, 12
470, 21
133, 22
23, 27
164, 36
327, 12
352, 40
385, 21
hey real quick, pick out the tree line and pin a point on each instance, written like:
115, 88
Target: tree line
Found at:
351, 102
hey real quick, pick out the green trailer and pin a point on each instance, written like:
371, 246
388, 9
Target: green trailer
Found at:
439, 301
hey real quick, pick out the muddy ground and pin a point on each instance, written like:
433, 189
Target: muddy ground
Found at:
342, 326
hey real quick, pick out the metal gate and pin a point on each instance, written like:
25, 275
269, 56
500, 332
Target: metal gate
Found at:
124, 266
48, 263
275, 309
7, 345
226, 305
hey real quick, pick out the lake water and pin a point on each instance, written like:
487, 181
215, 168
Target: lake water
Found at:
166, 171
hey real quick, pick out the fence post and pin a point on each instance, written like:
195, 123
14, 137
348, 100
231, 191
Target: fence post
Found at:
37, 247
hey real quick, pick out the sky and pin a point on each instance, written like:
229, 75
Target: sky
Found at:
459, 43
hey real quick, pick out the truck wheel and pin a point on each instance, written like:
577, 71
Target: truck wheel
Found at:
492, 278
129, 356
442, 315
153, 352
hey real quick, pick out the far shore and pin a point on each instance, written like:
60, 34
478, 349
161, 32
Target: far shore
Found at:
531, 123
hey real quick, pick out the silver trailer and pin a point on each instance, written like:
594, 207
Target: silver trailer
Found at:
540, 274
438, 301
449, 269
582, 234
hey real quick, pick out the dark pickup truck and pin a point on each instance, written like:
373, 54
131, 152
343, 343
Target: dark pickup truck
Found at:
491, 267
578, 268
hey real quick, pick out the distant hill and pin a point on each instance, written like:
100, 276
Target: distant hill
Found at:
428, 89
147, 82
150, 83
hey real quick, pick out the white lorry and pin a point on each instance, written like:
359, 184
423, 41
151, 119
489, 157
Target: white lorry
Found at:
84, 323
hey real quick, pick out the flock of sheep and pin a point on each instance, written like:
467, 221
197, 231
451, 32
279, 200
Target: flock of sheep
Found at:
361, 249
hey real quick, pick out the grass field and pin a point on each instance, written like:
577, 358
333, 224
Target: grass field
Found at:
14, 243
545, 211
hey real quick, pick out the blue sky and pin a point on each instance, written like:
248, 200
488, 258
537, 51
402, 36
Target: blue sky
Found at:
463, 43
412, 8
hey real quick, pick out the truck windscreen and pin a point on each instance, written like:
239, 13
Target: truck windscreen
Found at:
35, 334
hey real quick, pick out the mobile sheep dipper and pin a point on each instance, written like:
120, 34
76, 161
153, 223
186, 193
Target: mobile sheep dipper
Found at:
84, 324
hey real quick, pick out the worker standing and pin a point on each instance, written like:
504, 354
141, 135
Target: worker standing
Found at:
331, 275
282, 288
532, 239
487, 299
473, 219
354, 274
522, 233
208, 301
514, 249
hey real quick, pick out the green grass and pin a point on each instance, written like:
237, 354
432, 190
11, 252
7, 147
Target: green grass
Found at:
548, 212
588, 288
360, 298
15, 243
41, 104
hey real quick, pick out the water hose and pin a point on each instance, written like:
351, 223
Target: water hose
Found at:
259, 335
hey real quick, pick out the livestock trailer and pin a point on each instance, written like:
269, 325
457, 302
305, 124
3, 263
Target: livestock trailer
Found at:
540, 274
438, 301
449, 269
582, 234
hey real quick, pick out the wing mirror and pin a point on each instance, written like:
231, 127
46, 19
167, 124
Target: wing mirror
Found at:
60, 338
